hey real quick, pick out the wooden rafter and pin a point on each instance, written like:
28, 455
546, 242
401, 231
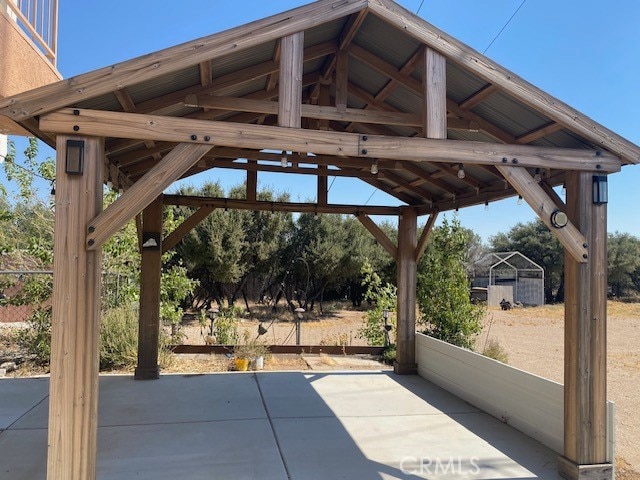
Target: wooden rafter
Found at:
495, 74
109, 79
477, 97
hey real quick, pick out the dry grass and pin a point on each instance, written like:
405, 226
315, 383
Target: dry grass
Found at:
624, 470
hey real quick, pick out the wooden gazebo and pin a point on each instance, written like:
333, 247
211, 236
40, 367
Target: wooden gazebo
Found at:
353, 88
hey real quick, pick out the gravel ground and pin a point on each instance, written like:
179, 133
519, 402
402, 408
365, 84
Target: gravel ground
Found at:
534, 341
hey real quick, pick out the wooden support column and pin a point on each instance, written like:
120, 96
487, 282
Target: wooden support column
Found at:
73, 401
290, 86
150, 272
342, 80
585, 376
252, 183
434, 83
407, 283
323, 186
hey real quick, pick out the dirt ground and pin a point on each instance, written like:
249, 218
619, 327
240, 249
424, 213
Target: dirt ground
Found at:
534, 341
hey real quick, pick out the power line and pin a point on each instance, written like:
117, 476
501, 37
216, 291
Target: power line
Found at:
420, 7
371, 196
504, 27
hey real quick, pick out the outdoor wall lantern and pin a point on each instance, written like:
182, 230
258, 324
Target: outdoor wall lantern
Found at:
600, 190
559, 219
150, 241
74, 160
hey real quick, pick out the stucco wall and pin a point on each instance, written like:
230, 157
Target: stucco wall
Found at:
22, 66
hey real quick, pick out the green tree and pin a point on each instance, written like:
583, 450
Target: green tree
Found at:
383, 296
445, 307
623, 262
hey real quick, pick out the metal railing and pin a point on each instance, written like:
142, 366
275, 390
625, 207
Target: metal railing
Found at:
38, 19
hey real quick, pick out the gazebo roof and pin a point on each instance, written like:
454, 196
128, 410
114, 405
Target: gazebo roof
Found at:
232, 77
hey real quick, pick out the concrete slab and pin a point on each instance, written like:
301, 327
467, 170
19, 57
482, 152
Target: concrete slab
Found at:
347, 425
18, 396
124, 401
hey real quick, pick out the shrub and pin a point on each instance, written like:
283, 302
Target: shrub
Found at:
36, 339
119, 339
494, 350
382, 296
225, 327
389, 355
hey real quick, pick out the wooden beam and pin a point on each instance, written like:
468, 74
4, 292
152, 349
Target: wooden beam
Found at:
74, 90
434, 110
540, 132
191, 222
477, 97
265, 206
379, 235
426, 231
585, 375
407, 284
380, 185
206, 73
154, 127
290, 83
504, 79
321, 112
570, 237
143, 192
405, 185
342, 80
75, 325
149, 312
425, 177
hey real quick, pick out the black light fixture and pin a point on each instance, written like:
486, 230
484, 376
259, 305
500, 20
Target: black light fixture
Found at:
74, 160
559, 219
600, 190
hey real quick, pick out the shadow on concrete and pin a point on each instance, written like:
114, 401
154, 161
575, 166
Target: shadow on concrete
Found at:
296, 425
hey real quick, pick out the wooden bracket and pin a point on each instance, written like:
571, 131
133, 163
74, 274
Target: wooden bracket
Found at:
185, 227
378, 234
572, 240
143, 192
422, 243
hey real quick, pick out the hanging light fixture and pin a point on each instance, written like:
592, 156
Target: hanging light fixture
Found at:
461, 173
284, 161
519, 199
486, 206
374, 166
538, 176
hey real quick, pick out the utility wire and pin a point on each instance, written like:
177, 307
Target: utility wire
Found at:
420, 7
371, 196
31, 172
504, 27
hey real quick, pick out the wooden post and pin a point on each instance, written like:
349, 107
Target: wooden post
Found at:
252, 183
290, 87
407, 282
150, 271
323, 186
585, 375
434, 84
73, 403
342, 79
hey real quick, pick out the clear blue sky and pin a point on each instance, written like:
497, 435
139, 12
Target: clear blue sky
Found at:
583, 52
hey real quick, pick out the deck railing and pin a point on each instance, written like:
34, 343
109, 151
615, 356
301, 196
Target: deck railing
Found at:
38, 19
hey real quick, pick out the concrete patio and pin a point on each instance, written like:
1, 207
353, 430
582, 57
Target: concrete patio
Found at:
296, 425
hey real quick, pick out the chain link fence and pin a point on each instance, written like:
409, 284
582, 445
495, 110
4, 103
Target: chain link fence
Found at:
19, 288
